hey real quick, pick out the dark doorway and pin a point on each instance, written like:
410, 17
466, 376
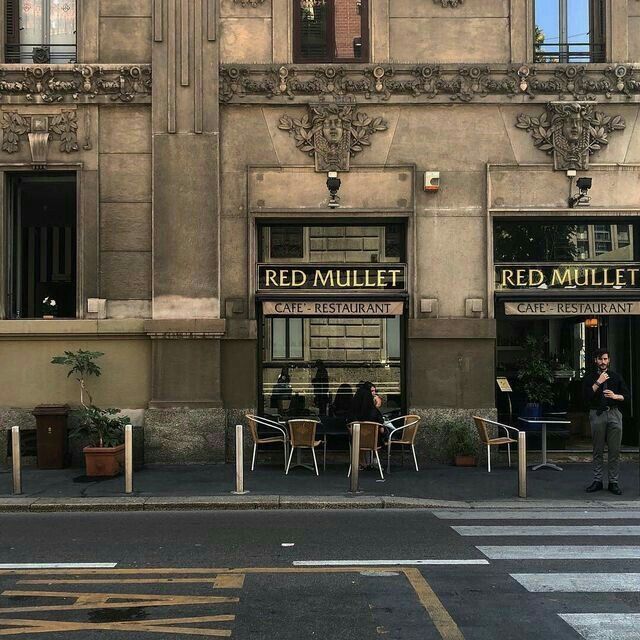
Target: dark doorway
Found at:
42, 247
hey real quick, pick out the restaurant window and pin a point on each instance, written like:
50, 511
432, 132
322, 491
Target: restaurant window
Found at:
40, 31
42, 249
287, 339
286, 242
569, 31
331, 31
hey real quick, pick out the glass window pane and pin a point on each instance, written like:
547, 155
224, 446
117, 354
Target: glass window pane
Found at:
578, 29
547, 34
296, 347
313, 32
393, 338
279, 338
287, 242
348, 29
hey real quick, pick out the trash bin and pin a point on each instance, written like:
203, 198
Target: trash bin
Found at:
51, 429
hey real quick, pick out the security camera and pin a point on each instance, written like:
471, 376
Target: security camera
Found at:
582, 199
333, 184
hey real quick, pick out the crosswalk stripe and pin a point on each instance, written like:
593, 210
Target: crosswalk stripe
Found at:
387, 563
560, 552
548, 530
522, 514
579, 582
605, 626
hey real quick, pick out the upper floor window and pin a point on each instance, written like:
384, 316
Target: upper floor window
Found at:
41, 31
569, 31
331, 31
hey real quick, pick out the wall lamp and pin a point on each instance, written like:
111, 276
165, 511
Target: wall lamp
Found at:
582, 198
333, 184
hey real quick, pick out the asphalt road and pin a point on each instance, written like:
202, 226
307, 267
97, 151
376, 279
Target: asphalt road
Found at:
346, 575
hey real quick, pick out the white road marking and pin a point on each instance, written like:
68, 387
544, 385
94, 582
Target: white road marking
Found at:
550, 514
59, 565
605, 626
548, 530
560, 552
579, 582
383, 563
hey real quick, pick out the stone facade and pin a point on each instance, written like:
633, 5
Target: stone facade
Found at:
184, 137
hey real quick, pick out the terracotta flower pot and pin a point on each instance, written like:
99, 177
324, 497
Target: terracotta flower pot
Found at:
465, 461
104, 461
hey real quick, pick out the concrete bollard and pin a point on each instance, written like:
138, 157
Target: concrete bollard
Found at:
522, 464
16, 460
128, 459
355, 458
239, 462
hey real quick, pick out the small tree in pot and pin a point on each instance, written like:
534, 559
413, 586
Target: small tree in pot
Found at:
102, 428
461, 444
536, 376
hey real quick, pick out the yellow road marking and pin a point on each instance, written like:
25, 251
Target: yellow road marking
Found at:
444, 623
232, 581
225, 581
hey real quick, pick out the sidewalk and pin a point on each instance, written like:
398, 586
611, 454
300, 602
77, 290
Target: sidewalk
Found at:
210, 486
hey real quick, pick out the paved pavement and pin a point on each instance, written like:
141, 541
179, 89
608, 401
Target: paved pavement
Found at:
210, 486
455, 574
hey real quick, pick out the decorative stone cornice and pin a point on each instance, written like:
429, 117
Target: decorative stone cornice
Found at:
75, 83
400, 83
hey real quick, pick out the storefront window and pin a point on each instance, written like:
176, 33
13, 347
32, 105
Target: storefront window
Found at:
332, 319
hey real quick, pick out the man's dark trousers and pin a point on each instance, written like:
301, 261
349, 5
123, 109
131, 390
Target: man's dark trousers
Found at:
606, 427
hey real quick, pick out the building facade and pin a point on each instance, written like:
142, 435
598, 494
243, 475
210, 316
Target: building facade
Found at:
254, 205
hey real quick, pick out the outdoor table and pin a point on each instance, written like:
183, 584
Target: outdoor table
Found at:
544, 422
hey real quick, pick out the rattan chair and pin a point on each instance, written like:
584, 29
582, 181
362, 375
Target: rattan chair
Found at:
254, 423
403, 434
303, 436
369, 432
483, 432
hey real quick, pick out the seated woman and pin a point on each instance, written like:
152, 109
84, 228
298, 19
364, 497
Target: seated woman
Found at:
341, 406
365, 407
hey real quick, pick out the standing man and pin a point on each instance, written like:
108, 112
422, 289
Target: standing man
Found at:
604, 392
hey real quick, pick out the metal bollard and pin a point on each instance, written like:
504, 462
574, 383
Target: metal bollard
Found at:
128, 459
355, 457
16, 461
239, 462
522, 464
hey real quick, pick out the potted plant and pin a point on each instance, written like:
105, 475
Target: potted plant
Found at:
461, 444
102, 428
536, 377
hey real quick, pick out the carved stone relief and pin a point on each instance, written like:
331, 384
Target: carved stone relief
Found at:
571, 132
40, 130
449, 3
332, 133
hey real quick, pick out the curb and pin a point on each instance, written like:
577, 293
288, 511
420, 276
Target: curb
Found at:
265, 502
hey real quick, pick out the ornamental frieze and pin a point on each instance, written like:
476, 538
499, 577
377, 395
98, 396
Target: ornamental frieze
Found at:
571, 132
449, 3
428, 82
332, 133
75, 83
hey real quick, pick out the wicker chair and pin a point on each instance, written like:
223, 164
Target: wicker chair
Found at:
369, 432
256, 422
483, 432
403, 434
303, 436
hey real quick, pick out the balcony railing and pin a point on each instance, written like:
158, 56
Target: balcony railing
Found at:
40, 53
568, 52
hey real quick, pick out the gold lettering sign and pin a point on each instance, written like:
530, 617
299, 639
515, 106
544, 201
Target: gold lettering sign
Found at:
334, 278
575, 276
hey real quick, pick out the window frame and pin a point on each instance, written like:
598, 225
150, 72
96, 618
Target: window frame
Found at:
287, 323
331, 59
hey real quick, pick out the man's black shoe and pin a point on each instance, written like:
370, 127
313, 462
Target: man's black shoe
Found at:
596, 485
615, 488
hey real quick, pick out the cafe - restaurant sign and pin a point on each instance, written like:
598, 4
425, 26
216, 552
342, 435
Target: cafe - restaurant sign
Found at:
582, 275
315, 278
573, 308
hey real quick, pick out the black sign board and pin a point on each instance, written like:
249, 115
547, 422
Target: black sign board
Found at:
328, 278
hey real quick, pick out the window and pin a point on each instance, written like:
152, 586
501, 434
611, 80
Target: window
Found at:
331, 31
42, 229
41, 31
286, 339
286, 242
569, 31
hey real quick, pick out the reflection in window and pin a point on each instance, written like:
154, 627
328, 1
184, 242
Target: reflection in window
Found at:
559, 242
287, 242
569, 31
287, 339
40, 31
330, 30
